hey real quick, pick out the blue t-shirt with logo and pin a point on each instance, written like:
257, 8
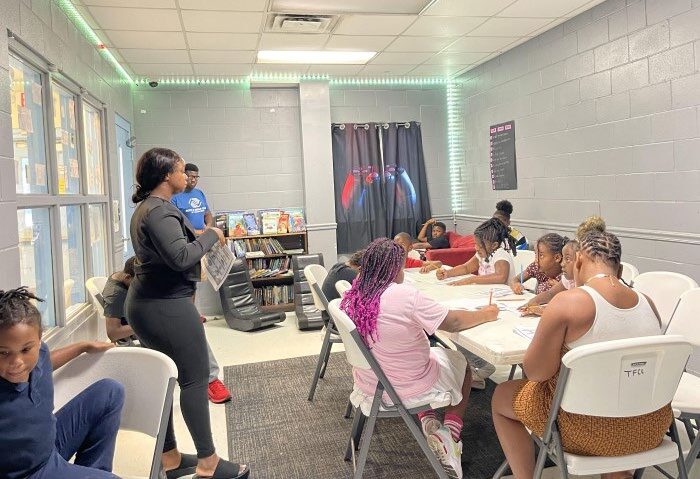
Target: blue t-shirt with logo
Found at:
193, 205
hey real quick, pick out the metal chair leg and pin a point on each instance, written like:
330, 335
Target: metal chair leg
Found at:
319, 364
513, 368
638, 473
501, 471
326, 358
357, 424
365, 440
539, 465
680, 462
348, 411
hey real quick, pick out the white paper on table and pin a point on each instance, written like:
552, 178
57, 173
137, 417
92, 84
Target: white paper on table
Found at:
468, 304
527, 332
499, 292
218, 262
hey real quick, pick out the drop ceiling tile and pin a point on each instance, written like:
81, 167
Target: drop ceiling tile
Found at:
508, 27
444, 26
162, 69
222, 41
419, 44
467, 8
222, 69
222, 56
335, 69
136, 19
343, 6
449, 58
138, 55
292, 41
386, 69
394, 58
373, 24
236, 5
232, 22
154, 40
131, 3
542, 8
369, 43
480, 44
438, 70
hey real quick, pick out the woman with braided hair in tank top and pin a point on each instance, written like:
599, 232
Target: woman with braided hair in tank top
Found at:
600, 308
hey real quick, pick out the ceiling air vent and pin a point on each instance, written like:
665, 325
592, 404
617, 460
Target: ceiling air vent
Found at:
298, 23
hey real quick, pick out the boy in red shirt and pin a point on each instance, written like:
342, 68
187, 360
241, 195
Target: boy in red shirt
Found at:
404, 239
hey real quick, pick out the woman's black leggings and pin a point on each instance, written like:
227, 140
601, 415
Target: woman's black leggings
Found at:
172, 326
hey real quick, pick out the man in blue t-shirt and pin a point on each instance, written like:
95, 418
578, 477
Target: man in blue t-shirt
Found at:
192, 201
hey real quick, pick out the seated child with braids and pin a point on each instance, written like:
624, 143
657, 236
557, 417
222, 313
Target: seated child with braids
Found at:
393, 319
493, 259
42, 442
536, 305
547, 265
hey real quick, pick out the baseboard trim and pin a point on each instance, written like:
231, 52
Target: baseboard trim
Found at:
650, 235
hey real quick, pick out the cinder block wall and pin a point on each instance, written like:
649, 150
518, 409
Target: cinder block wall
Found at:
606, 114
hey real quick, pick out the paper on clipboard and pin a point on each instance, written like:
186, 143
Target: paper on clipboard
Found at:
217, 263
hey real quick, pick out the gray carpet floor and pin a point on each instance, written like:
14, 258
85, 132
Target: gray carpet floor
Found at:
273, 427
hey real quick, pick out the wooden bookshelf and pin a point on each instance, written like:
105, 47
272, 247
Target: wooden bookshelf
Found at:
274, 279
278, 308
270, 235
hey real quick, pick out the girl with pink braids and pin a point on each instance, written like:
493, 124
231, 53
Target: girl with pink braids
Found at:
393, 319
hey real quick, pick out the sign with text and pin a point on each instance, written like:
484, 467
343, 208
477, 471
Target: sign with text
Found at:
504, 175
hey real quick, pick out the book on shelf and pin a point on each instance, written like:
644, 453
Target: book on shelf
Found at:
221, 222
256, 247
269, 219
277, 294
269, 267
236, 224
283, 223
251, 224
294, 251
296, 219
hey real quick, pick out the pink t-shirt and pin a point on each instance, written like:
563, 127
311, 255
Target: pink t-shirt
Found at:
402, 348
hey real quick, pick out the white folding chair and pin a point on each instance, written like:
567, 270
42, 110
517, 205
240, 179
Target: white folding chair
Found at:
629, 272
621, 378
342, 286
315, 274
95, 286
524, 258
148, 378
665, 289
359, 356
686, 402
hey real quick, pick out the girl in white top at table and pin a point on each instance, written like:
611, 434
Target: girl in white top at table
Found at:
493, 259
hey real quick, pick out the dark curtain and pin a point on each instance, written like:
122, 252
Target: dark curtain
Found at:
359, 197
407, 200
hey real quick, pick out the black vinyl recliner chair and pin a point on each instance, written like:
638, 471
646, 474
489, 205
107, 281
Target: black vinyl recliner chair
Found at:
241, 309
308, 317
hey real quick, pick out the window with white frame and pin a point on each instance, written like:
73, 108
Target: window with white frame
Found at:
61, 186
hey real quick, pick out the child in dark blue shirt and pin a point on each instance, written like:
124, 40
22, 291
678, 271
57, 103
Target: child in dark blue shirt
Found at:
40, 442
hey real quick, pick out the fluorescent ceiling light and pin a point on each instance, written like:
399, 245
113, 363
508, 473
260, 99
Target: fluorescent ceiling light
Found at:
319, 57
355, 6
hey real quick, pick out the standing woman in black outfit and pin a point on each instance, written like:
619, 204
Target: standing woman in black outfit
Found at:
160, 310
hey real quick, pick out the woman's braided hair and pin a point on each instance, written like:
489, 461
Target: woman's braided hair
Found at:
603, 246
16, 308
381, 262
494, 231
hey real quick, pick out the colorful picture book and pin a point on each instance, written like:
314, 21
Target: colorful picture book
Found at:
266, 221
251, 224
236, 224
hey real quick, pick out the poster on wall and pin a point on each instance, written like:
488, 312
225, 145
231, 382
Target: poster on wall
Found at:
504, 174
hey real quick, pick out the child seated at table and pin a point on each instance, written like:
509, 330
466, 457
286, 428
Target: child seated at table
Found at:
493, 259
536, 305
392, 319
37, 443
404, 240
547, 266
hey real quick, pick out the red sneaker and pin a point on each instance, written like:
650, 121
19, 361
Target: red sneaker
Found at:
218, 393
202, 318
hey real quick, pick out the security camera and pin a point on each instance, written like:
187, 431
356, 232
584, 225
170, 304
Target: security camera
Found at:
153, 84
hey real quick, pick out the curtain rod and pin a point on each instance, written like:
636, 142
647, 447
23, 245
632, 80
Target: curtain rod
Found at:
378, 125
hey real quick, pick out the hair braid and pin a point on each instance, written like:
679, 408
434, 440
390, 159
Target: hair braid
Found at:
494, 231
554, 242
16, 308
603, 246
381, 262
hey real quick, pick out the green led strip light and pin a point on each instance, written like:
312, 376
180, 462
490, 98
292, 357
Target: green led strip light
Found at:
92, 37
455, 146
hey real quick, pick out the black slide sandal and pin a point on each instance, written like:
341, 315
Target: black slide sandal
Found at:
188, 466
226, 470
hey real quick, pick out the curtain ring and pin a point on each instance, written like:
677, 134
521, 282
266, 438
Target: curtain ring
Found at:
385, 126
407, 124
354, 127
342, 126
366, 126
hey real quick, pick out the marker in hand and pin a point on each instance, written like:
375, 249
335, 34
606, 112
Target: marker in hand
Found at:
521, 274
490, 296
